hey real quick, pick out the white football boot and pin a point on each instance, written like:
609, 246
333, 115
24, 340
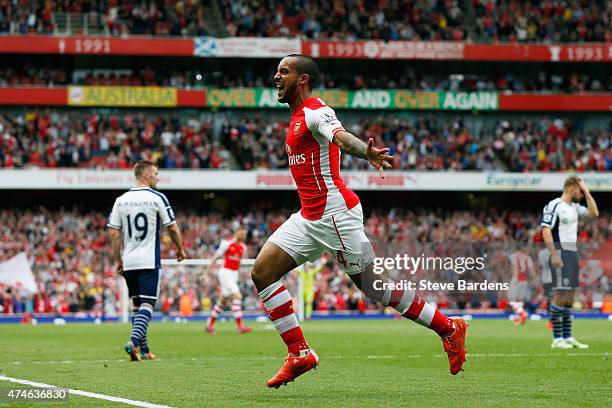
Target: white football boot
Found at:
560, 344
575, 343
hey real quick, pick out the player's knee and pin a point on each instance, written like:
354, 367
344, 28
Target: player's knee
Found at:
258, 273
262, 274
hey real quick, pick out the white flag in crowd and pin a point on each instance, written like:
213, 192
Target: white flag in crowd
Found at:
16, 272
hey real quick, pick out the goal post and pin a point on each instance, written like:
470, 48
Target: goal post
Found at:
192, 274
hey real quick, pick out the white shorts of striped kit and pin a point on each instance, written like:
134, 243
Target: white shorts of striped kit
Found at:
517, 291
228, 280
341, 234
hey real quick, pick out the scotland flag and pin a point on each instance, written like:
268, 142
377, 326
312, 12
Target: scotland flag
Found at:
205, 47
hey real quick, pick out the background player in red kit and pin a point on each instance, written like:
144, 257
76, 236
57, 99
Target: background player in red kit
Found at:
522, 269
331, 219
232, 251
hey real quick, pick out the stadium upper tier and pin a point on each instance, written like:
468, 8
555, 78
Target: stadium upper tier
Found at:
54, 138
480, 20
453, 20
110, 17
71, 256
399, 77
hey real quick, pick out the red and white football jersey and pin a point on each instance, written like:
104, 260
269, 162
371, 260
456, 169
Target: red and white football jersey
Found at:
232, 253
523, 263
315, 161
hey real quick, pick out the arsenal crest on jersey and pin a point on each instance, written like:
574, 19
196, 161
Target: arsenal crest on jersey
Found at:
297, 127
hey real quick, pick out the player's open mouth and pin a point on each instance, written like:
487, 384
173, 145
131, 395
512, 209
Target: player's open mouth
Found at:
280, 88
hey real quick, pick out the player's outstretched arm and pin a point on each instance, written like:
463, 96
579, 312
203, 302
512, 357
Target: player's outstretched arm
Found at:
352, 145
593, 211
115, 235
223, 247
213, 261
177, 239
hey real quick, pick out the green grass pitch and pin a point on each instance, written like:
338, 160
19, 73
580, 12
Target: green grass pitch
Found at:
363, 364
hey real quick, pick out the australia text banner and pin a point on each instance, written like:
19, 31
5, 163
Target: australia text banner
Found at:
143, 96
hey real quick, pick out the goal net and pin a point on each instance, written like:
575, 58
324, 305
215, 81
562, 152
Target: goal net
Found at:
188, 290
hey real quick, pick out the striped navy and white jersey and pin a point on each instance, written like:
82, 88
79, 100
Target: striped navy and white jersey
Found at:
139, 213
562, 219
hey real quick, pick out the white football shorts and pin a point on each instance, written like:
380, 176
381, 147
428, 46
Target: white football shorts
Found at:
517, 291
228, 279
341, 234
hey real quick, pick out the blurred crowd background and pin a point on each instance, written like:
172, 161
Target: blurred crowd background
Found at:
69, 250
56, 138
24, 72
448, 20
70, 255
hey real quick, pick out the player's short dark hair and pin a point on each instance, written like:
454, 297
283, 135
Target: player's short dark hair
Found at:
571, 181
141, 166
308, 66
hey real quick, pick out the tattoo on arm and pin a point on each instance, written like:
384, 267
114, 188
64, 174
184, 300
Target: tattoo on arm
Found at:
350, 144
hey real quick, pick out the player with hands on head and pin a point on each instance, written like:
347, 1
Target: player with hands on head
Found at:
560, 233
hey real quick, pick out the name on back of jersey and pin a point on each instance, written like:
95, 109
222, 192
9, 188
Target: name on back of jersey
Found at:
137, 204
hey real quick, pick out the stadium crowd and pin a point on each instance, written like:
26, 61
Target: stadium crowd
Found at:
115, 17
495, 20
544, 21
397, 77
428, 143
448, 20
346, 20
406, 77
69, 252
73, 139
48, 138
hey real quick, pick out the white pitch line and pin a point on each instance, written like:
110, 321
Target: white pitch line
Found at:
122, 360
369, 357
85, 393
561, 354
